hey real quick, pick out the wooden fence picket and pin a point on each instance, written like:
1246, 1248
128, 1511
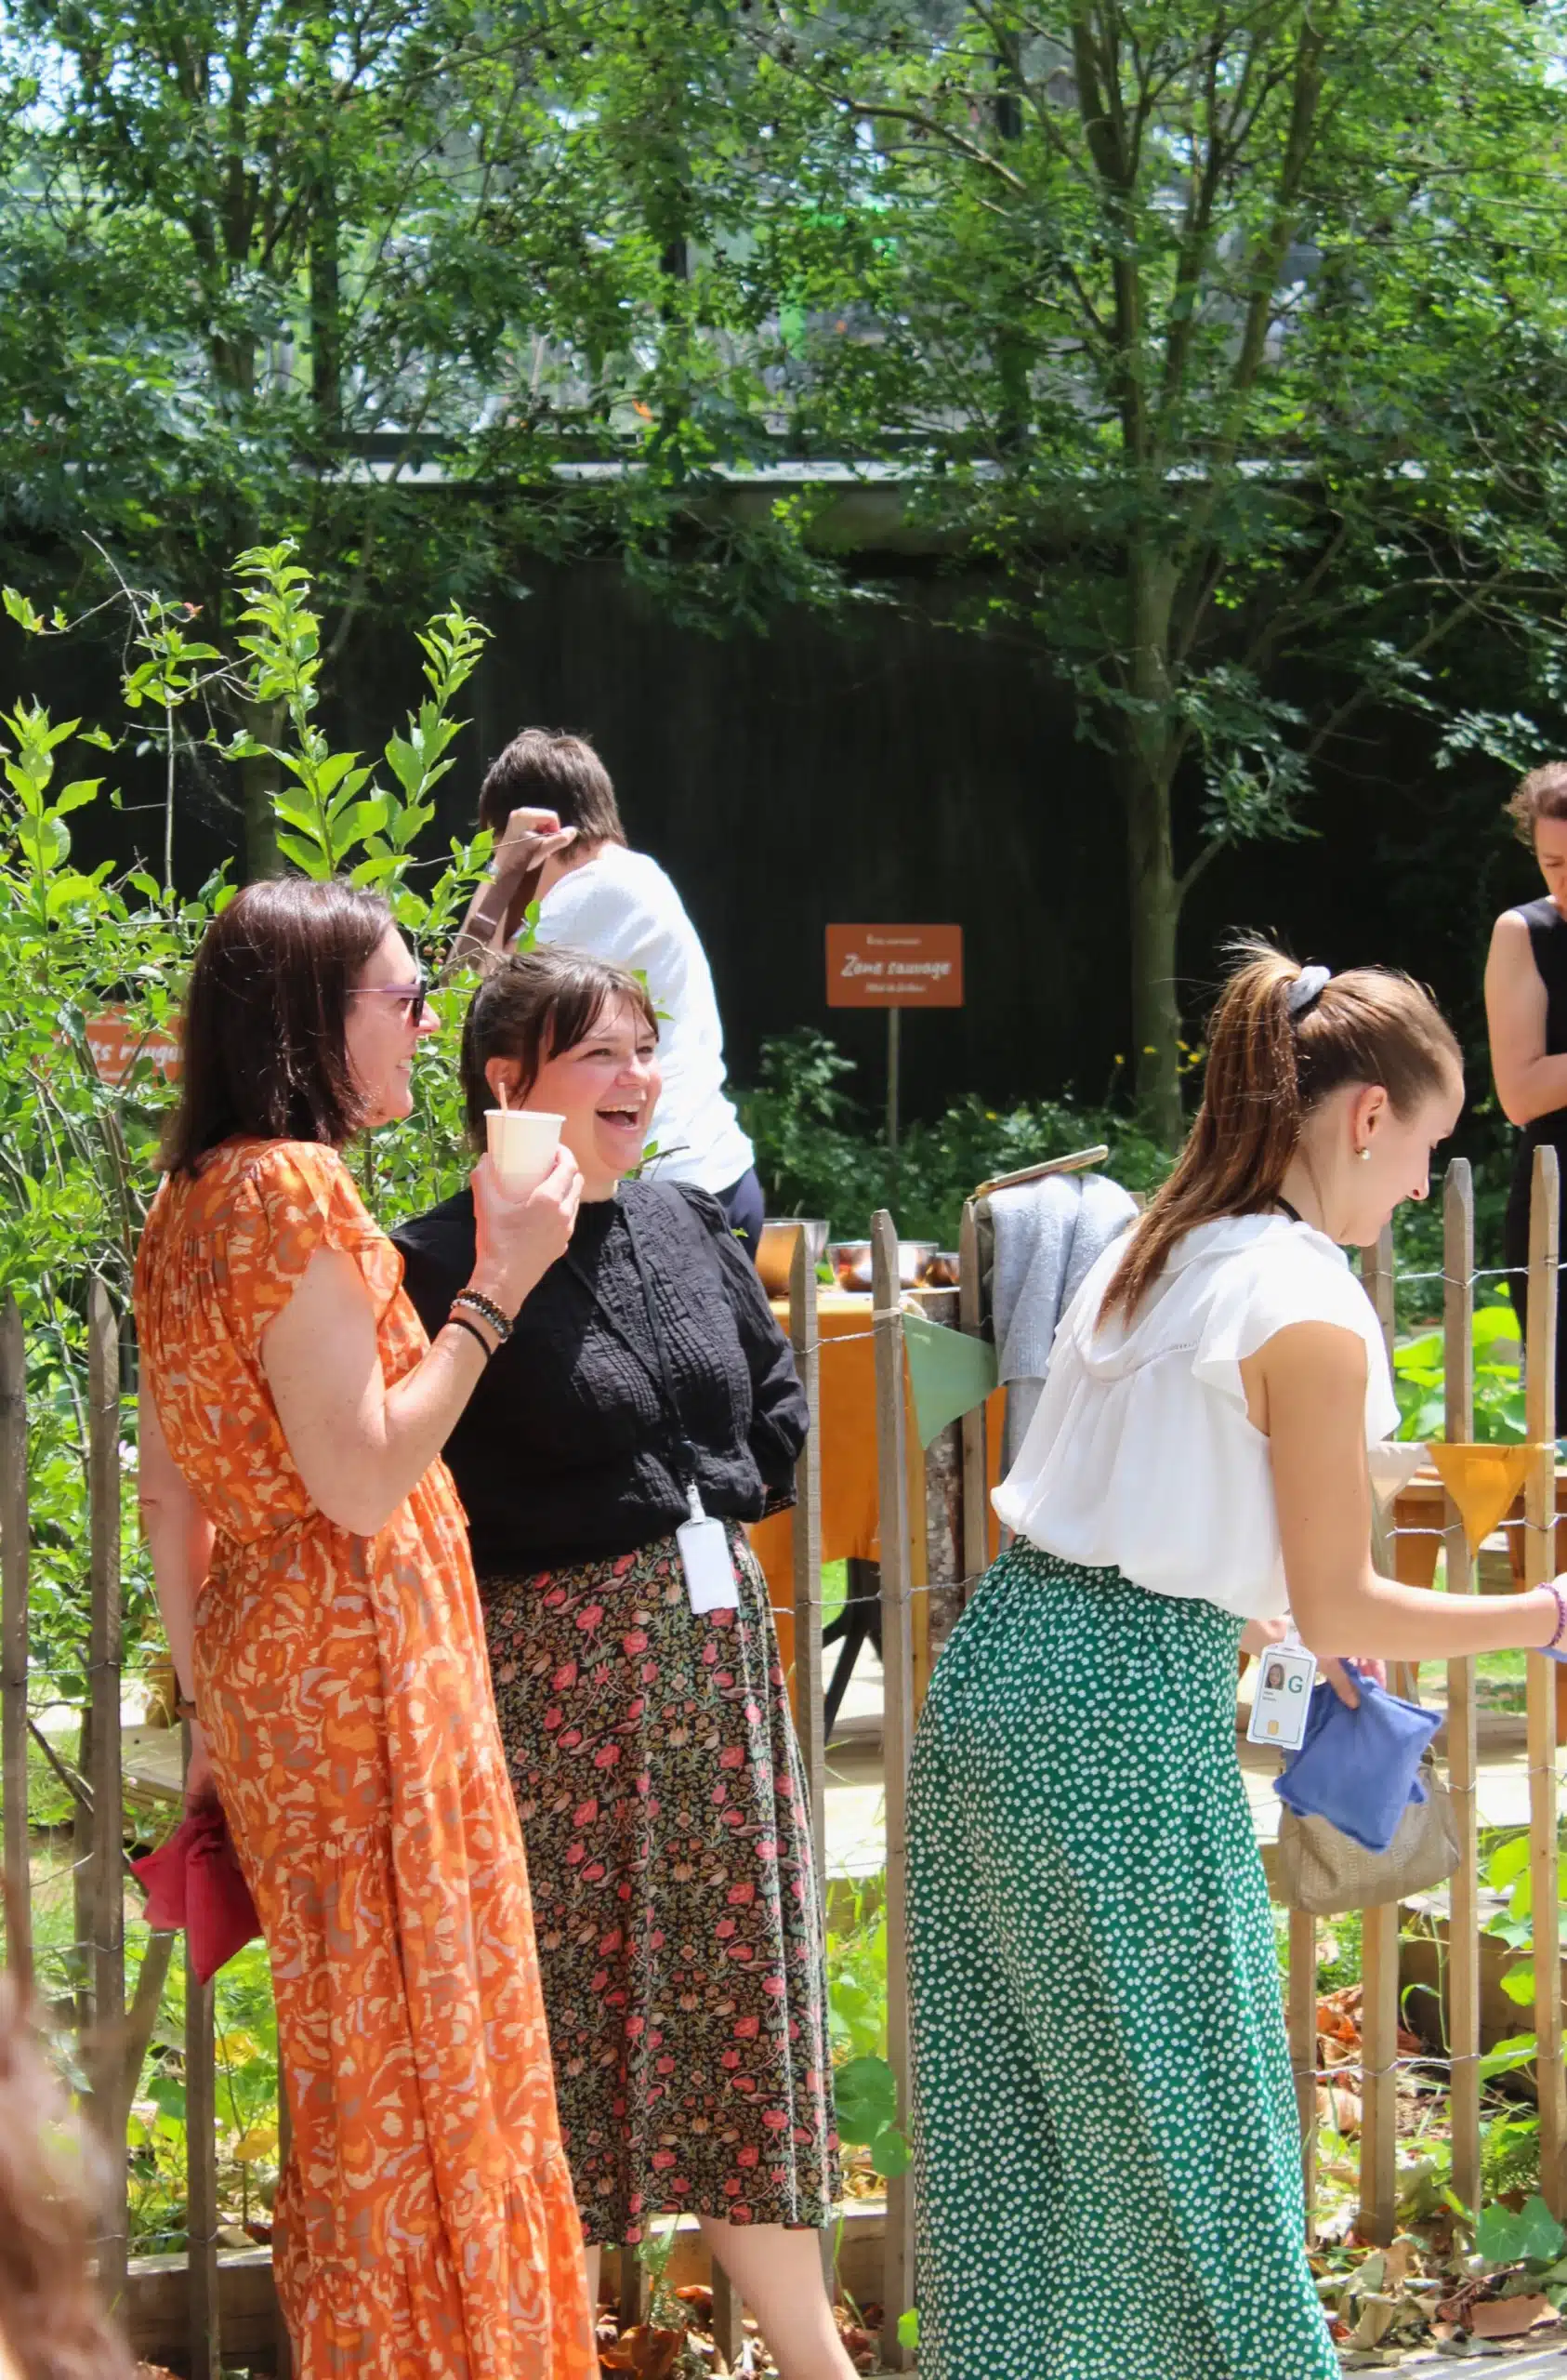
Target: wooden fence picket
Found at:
1463, 1743
1379, 1931
13, 1632
1539, 1565
897, 1654
106, 1898
806, 1341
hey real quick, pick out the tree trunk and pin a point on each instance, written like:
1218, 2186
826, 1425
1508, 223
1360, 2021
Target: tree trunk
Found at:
1153, 896
258, 783
326, 333
1148, 761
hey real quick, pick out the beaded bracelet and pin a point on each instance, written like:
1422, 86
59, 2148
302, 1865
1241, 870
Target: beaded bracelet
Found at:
487, 1311
1552, 1642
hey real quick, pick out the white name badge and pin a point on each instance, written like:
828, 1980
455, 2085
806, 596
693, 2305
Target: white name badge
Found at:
1286, 1675
709, 1568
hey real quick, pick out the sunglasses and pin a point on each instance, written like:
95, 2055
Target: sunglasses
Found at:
412, 999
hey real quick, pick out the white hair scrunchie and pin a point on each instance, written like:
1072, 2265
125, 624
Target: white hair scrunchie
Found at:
1308, 986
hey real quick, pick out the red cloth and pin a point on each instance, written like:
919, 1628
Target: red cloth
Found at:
194, 1881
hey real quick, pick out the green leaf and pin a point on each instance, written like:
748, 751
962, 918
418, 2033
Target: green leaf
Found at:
1519, 1985
19, 609
908, 2327
1507, 2056
890, 2152
309, 858
76, 794
1532, 2236
1507, 1862
865, 2094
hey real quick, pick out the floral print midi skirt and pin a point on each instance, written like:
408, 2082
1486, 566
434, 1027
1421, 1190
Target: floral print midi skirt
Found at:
675, 1902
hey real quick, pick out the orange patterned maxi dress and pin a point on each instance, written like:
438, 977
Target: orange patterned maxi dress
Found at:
426, 2223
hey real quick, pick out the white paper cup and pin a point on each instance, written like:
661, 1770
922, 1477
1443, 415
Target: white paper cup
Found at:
522, 1143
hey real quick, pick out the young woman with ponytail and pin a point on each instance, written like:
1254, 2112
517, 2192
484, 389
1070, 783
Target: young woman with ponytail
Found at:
1108, 2159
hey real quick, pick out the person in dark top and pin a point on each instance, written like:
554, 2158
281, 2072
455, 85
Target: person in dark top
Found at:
1526, 1015
646, 1388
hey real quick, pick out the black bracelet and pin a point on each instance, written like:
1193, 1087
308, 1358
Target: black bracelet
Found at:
460, 1322
487, 1311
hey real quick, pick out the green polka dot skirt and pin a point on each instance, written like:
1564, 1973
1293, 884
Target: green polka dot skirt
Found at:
1107, 2151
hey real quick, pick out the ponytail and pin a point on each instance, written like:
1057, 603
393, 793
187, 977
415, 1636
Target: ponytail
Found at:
1282, 1038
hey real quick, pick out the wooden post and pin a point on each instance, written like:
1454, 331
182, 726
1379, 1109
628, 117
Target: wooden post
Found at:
892, 1481
976, 1474
13, 1632
919, 1571
729, 2327
1301, 2012
201, 2169
107, 1897
634, 2295
1539, 1560
805, 1339
283, 2342
938, 1523
1379, 1940
1463, 1749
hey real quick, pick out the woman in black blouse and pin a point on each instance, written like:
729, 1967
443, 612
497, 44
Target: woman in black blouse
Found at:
656, 1771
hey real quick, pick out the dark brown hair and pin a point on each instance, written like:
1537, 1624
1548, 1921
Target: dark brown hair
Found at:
1542, 794
266, 1054
1267, 1070
533, 1006
51, 2317
541, 770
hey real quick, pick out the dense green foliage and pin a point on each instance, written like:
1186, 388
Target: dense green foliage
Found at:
1228, 343
818, 1154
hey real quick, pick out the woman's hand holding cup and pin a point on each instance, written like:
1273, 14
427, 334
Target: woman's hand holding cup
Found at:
520, 1238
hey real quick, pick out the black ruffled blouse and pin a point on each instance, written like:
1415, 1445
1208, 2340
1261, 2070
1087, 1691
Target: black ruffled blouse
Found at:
567, 1452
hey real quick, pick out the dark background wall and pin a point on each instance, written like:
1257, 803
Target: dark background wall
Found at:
900, 772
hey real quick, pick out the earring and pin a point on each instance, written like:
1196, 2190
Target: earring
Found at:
1364, 1154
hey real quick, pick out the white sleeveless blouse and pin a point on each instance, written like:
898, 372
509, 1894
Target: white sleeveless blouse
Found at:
1141, 1457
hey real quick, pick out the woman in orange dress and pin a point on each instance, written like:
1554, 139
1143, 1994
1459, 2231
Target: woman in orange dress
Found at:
313, 1572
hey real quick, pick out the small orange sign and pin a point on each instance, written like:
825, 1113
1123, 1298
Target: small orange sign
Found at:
894, 966
114, 1044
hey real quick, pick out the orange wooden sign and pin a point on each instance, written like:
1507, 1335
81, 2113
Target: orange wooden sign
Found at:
894, 966
114, 1044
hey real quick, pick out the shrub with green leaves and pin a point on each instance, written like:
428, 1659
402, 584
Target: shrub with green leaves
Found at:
1419, 1380
819, 1153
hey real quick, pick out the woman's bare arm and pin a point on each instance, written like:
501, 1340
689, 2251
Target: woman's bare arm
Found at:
360, 1447
1528, 1082
500, 903
1306, 1389
180, 1538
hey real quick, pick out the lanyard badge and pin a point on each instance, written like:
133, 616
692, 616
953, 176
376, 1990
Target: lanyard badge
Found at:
706, 1561
711, 1584
1286, 1675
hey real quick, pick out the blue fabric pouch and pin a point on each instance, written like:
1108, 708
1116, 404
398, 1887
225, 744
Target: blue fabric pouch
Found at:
1358, 1769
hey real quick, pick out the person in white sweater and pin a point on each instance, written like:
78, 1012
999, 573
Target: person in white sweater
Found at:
550, 804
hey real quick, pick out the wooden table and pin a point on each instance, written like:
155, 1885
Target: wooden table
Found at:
850, 1518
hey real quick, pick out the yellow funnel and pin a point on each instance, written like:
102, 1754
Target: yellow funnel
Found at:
1482, 1481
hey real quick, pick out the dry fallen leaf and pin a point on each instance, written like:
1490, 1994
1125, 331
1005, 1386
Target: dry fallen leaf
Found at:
1338, 2105
1509, 2318
1377, 2316
1398, 2260
646, 2352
